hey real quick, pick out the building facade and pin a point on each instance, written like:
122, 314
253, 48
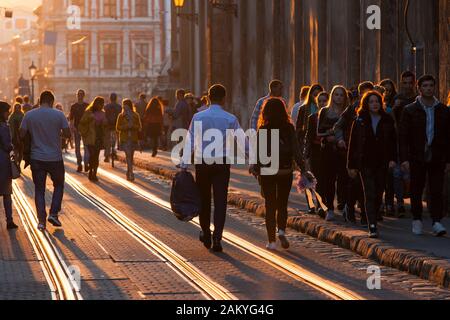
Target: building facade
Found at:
306, 41
101, 46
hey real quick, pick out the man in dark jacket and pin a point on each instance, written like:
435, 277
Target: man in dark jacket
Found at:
112, 111
425, 150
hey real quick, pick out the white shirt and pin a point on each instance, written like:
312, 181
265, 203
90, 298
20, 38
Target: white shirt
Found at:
212, 118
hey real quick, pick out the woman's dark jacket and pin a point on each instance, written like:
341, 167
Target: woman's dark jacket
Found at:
5, 161
367, 150
289, 149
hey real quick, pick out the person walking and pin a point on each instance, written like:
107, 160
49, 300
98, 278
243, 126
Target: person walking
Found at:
75, 115
14, 121
308, 108
342, 130
112, 111
372, 150
425, 151
93, 129
6, 147
312, 149
141, 105
277, 187
128, 126
275, 91
153, 121
296, 108
27, 106
181, 113
332, 159
45, 125
213, 170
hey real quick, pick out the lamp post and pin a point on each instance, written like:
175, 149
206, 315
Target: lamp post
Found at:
413, 61
179, 4
33, 70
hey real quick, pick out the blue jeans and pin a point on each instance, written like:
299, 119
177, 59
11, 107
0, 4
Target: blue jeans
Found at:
56, 170
78, 150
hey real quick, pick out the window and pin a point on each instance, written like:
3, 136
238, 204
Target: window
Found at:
78, 56
79, 4
141, 8
110, 8
21, 24
109, 56
142, 54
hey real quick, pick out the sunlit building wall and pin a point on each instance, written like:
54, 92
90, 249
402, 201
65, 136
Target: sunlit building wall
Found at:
119, 47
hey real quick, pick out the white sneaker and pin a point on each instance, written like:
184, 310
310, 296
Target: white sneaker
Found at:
417, 227
272, 246
330, 216
439, 230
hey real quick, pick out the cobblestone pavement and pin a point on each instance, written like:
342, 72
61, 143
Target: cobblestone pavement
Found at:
115, 266
335, 263
21, 275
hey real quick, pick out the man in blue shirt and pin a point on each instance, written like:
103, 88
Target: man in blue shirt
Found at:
276, 91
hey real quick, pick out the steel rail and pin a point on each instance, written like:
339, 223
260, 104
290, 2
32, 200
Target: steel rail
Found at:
331, 289
62, 283
205, 284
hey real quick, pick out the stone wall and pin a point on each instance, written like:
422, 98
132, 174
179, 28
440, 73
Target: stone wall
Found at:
308, 41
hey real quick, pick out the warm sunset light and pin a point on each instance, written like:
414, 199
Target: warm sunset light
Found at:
227, 158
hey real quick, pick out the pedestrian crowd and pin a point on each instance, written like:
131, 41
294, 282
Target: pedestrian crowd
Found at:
368, 148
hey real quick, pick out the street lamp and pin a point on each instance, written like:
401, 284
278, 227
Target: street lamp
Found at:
227, 7
179, 4
411, 41
33, 70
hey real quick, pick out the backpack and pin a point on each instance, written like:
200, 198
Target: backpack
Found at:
185, 199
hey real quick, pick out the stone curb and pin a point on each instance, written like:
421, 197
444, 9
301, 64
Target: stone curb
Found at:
414, 262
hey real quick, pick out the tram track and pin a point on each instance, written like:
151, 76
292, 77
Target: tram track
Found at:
202, 282
63, 285
325, 286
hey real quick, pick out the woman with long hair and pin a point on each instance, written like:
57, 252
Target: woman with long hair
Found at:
311, 152
307, 109
389, 94
372, 150
5, 164
129, 125
277, 187
93, 131
333, 160
153, 122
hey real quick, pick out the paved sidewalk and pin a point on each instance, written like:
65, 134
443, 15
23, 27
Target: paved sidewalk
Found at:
425, 256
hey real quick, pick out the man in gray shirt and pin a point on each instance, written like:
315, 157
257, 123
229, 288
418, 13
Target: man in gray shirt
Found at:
45, 126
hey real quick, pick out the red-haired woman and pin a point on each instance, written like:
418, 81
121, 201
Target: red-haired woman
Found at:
277, 185
153, 122
372, 150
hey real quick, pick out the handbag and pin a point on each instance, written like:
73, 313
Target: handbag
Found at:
15, 168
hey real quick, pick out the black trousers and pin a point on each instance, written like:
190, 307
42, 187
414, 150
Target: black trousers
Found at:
94, 153
373, 181
333, 171
355, 194
436, 176
277, 190
217, 178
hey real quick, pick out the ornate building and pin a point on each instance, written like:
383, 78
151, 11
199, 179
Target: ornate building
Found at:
118, 46
306, 41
